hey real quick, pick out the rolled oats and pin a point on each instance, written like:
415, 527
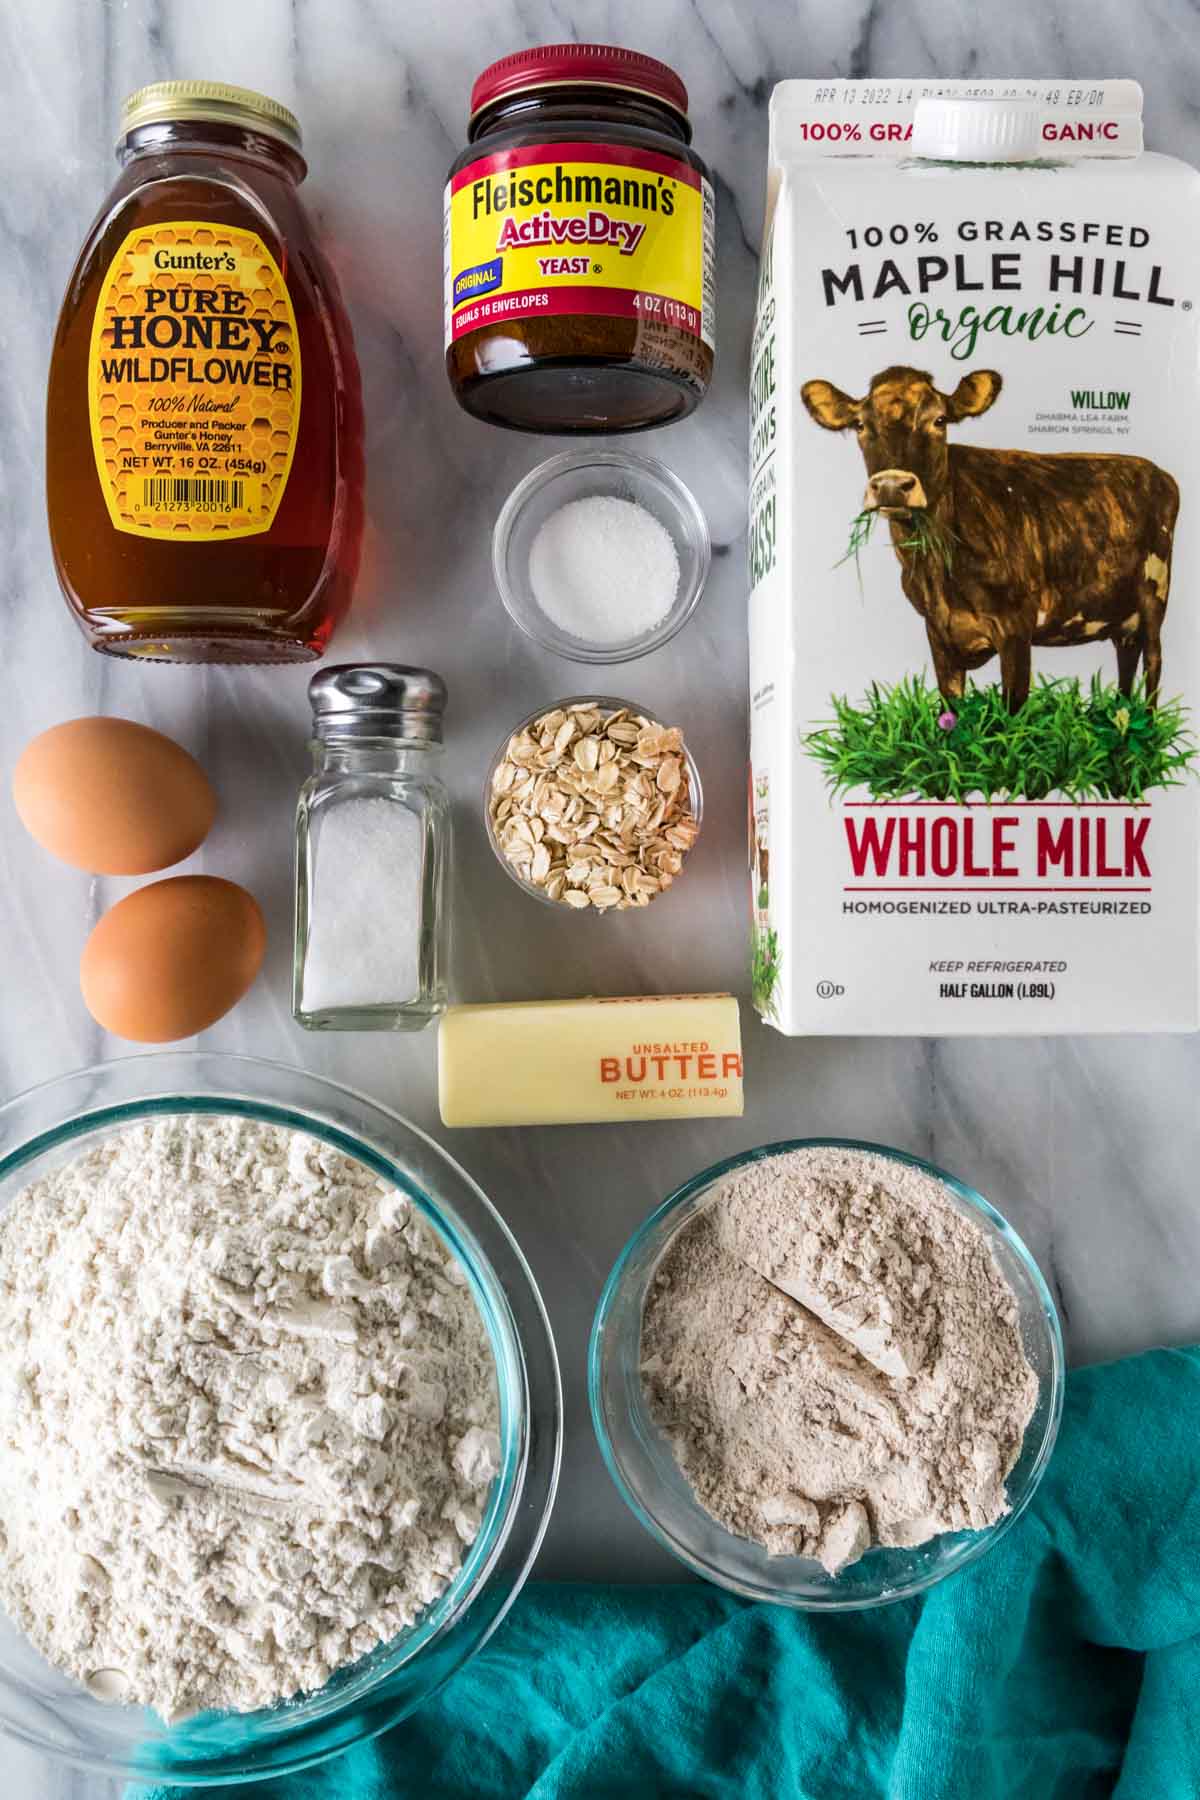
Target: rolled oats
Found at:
594, 808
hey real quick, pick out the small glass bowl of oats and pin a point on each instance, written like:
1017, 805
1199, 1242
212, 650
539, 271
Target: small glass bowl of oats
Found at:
593, 804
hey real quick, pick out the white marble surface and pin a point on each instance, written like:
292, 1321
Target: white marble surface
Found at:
1088, 1145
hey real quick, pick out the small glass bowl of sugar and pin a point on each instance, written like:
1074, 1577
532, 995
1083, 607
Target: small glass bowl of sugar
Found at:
601, 555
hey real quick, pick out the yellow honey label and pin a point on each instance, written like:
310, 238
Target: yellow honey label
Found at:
193, 383
588, 229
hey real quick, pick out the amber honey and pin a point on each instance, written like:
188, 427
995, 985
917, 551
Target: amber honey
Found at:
204, 419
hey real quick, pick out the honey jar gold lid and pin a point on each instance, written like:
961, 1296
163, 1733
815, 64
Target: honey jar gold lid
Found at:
214, 101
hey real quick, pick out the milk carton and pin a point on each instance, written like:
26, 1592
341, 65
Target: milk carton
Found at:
974, 533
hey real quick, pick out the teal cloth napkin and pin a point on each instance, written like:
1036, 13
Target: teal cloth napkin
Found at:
1063, 1666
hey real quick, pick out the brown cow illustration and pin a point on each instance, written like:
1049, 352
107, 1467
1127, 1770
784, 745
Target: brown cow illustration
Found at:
1040, 549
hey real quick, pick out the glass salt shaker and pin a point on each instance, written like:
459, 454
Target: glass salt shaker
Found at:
372, 848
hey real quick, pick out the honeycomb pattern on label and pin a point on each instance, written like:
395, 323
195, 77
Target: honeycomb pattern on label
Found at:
148, 420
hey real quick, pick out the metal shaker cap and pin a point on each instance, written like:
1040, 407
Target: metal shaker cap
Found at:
383, 700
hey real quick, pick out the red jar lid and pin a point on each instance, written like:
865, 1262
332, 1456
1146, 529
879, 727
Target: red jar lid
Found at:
596, 65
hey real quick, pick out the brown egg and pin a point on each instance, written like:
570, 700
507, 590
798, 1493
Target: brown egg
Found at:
172, 958
112, 797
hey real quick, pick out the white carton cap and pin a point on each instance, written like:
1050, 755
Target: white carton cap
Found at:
982, 131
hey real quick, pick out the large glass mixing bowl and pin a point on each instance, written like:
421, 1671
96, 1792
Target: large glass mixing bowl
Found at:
53, 1124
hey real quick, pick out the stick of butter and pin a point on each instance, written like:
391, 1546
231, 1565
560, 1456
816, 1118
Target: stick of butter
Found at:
585, 1062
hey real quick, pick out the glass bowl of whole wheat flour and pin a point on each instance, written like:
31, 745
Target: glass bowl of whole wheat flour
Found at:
733, 1356
427, 1249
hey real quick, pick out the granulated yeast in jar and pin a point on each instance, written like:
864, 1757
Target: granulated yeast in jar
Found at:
579, 246
204, 422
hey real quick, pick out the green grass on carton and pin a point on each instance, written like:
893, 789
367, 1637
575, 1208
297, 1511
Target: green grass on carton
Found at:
928, 538
923, 534
861, 527
764, 971
1092, 743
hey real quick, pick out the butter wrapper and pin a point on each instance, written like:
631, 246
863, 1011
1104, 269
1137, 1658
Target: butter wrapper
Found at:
586, 1062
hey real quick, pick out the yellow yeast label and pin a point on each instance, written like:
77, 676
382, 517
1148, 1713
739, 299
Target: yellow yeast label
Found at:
579, 228
193, 383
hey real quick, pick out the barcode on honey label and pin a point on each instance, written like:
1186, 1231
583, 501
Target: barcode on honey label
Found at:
194, 383
183, 494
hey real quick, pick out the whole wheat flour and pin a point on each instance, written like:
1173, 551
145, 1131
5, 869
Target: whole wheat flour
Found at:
247, 1414
835, 1357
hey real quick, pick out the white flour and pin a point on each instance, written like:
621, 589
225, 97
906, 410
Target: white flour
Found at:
247, 1414
835, 1357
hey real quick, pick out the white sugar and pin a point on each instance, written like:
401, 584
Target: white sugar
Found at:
604, 570
364, 907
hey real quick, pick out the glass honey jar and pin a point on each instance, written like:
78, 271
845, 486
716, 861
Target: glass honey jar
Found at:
199, 512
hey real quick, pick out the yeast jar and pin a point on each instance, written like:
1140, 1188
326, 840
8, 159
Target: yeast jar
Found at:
204, 419
579, 246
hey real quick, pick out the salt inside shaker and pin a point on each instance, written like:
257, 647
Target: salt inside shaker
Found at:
372, 847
